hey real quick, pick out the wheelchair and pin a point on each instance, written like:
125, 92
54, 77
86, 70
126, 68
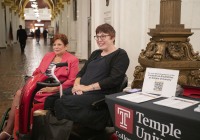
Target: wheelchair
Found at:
24, 114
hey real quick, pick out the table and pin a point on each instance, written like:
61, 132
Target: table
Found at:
148, 121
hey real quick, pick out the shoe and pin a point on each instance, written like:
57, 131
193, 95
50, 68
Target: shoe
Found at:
5, 135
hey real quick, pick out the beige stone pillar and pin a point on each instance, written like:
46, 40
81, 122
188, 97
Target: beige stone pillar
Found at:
2, 27
172, 16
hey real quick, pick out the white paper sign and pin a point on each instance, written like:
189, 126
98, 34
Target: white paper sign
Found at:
176, 102
138, 97
160, 81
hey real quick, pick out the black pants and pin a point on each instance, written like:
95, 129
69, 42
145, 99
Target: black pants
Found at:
78, 108
38, 38
45, 38
22, 45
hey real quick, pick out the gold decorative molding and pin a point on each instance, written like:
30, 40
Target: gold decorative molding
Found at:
21, 13
168, 51
23, 17
53, 15
14, 8
17, 11
60, 5
56, 10
68, 1
7, 2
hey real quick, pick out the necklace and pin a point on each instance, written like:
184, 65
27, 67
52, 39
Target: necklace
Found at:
57, 59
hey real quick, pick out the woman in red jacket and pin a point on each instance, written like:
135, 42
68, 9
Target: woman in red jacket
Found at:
67, 76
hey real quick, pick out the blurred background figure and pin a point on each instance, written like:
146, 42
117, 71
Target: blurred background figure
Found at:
32, 34
21, 37
45, 35
37, 35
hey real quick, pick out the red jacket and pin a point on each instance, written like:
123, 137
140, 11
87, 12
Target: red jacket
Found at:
65, 75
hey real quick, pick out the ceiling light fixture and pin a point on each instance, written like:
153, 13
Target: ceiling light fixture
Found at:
35, 10
34, 4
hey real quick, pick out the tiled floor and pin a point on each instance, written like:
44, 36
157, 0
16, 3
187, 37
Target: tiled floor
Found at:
14, 65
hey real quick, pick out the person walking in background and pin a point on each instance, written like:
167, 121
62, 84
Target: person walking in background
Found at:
21, 37
45, 34
32, 34
37, 34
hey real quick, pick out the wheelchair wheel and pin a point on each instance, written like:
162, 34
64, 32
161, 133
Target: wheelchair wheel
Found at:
4, 119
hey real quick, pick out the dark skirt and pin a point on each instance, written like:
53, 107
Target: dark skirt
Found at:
78, 108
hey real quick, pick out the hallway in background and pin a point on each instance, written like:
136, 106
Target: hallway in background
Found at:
14, 66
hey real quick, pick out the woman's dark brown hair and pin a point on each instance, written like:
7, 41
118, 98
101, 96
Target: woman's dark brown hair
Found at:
106, 28
62, 37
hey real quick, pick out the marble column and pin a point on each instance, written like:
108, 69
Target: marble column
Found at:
64, 19
82, 27
2, 27
8, 20
72, 29
15, 26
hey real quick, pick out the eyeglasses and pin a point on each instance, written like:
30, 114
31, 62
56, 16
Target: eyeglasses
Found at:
102, 37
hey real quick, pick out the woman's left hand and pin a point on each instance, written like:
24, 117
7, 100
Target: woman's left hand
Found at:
48, 89
79, 89
83, 88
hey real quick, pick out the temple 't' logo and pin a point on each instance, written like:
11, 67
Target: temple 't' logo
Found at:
124, 118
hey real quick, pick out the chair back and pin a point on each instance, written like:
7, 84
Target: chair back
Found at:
101, 104
124, 84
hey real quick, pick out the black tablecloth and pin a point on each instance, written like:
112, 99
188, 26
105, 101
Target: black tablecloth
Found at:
148, 121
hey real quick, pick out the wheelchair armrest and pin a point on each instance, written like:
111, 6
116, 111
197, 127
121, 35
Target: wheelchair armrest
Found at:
99, 104
43, 84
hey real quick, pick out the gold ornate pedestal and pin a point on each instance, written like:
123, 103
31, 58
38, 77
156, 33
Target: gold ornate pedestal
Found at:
169, 48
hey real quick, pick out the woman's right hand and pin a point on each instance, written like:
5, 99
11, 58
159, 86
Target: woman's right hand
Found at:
74, 89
